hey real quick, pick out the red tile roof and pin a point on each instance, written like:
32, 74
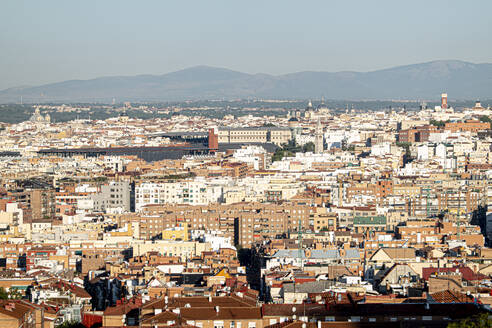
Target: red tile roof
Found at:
449, 296
466, 273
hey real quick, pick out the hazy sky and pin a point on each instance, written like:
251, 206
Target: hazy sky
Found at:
50, 41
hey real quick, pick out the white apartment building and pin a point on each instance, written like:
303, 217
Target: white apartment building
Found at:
114, 197
187, 192
255, 156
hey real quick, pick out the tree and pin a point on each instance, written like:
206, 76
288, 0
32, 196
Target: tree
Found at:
71, 324
290, 148
406, 146
12, 294
485, 118
478, 321
309, 147
3, 294
439, 124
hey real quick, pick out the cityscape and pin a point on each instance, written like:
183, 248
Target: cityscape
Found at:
211, 198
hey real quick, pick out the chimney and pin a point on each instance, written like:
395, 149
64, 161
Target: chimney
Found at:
217, 309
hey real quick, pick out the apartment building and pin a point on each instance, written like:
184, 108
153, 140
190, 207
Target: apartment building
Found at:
116, 196
416, 134
469, 125
244, 223
38, 203
275, 135
186, 192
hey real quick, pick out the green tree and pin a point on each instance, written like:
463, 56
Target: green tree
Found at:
486, 119
309, 147
3, 294
71, 324
406, 146
12, 294
439, 124
479, 321
289, 149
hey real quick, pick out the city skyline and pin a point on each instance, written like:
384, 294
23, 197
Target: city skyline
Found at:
260, 164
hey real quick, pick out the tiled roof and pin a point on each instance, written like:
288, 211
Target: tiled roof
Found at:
13, 309
466, 273
308, 287
449, 296
286, 310
318, 253
205, 302
164, 316
223, 313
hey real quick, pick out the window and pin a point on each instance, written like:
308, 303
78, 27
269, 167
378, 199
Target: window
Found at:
251, 324
218, 324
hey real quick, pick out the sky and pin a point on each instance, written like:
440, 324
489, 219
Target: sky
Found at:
56, 40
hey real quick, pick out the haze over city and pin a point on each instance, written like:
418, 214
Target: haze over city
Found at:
53, 41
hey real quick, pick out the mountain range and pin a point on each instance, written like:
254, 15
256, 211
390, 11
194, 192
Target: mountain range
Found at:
461, 80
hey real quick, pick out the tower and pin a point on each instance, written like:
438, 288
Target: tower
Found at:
318, 138
444, 101
213, 139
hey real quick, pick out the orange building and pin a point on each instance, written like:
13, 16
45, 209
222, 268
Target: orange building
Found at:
470, 125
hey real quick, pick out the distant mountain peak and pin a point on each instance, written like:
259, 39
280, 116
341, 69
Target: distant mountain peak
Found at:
461, 79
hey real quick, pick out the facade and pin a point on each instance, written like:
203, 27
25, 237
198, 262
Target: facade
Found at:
114, 197
275, 135
188, 192
244, 223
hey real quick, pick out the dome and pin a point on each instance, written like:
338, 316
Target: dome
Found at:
322, 107
309, 106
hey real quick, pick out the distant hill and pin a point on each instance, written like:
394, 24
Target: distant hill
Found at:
461, 80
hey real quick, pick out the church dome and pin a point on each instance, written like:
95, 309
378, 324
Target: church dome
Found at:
309, 106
